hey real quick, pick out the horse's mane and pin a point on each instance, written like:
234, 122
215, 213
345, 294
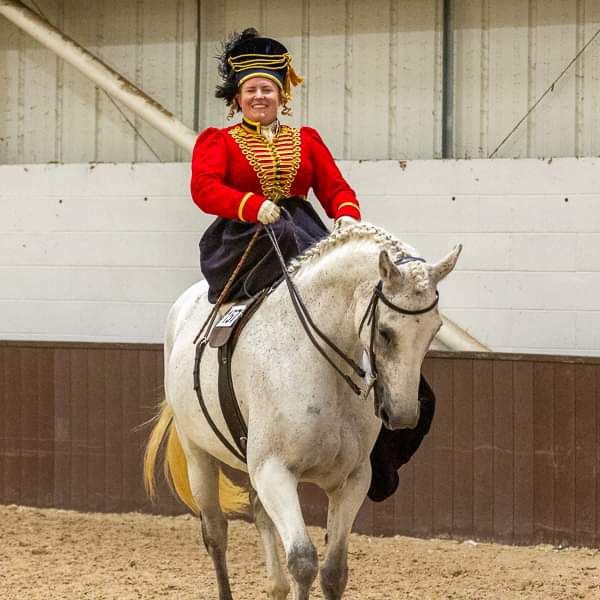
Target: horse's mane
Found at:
368, 234
362, 232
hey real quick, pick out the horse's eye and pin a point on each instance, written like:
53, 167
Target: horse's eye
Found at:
386, 336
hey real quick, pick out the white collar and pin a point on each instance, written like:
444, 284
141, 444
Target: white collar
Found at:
270, 131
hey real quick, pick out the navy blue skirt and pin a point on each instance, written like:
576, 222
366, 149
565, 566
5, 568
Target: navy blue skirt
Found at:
225, 240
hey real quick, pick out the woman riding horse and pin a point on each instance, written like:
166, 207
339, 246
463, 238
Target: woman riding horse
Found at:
259, 171
246, 174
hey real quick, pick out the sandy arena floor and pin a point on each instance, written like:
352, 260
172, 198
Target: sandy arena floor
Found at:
52, 554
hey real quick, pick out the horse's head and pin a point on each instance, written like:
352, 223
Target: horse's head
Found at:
403, 322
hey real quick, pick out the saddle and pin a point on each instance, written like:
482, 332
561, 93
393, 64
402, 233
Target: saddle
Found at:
224, 337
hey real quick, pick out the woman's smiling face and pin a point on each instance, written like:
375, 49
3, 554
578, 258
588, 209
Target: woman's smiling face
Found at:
259, 99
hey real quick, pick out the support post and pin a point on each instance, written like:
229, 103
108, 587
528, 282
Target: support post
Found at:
448, 80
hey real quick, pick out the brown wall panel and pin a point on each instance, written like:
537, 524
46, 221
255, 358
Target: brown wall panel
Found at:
503, 452
543, 457
11, 416
483, 445
523, 451
597, 454
44, 399
4, 441
423, 489
80, 397
63, 427
462, 396
423, 477
443, 447
512, 455
586, 465
113, 432
314, 505
96, 415
398, 510
564, 454
129, 388
26, 388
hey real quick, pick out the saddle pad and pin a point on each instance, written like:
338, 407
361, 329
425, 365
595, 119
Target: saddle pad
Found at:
225, 326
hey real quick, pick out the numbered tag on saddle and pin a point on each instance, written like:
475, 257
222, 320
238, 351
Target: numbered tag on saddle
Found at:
226, 325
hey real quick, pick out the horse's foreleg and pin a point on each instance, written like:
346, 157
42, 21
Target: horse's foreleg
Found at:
278, 491
279, 587
203, 473
344, 504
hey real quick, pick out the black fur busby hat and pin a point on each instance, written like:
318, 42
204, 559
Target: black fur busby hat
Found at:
247, 55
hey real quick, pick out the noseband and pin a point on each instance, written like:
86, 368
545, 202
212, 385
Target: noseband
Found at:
370, 318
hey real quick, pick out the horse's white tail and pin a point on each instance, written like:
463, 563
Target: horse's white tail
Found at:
232, 498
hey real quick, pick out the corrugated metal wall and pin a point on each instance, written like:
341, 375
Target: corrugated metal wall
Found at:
506, 55
374, 76
50, 112
512, 455
373, 69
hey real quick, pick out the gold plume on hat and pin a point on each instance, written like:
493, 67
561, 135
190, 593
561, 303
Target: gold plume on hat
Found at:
291, 79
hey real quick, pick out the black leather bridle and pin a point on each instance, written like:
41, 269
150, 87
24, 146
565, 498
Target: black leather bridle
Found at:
370, 317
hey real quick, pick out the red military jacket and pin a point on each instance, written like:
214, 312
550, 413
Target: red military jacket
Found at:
235, 169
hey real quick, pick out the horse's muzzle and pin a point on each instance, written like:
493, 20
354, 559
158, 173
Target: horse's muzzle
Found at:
402, 418
400, 421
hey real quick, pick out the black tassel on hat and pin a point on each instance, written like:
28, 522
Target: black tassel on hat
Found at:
228, 89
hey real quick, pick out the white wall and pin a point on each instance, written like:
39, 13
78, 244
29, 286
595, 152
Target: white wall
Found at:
529, 276
99, 252
94, 252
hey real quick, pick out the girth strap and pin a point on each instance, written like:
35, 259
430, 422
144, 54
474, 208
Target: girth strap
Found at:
228, 402
199, 352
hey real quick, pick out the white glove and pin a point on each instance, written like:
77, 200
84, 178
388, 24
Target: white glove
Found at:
342, 222
268, 212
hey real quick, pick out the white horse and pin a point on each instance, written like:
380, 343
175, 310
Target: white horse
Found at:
304, 422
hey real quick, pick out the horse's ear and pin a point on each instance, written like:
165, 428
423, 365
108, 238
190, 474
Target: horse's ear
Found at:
388, 271
442, 268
